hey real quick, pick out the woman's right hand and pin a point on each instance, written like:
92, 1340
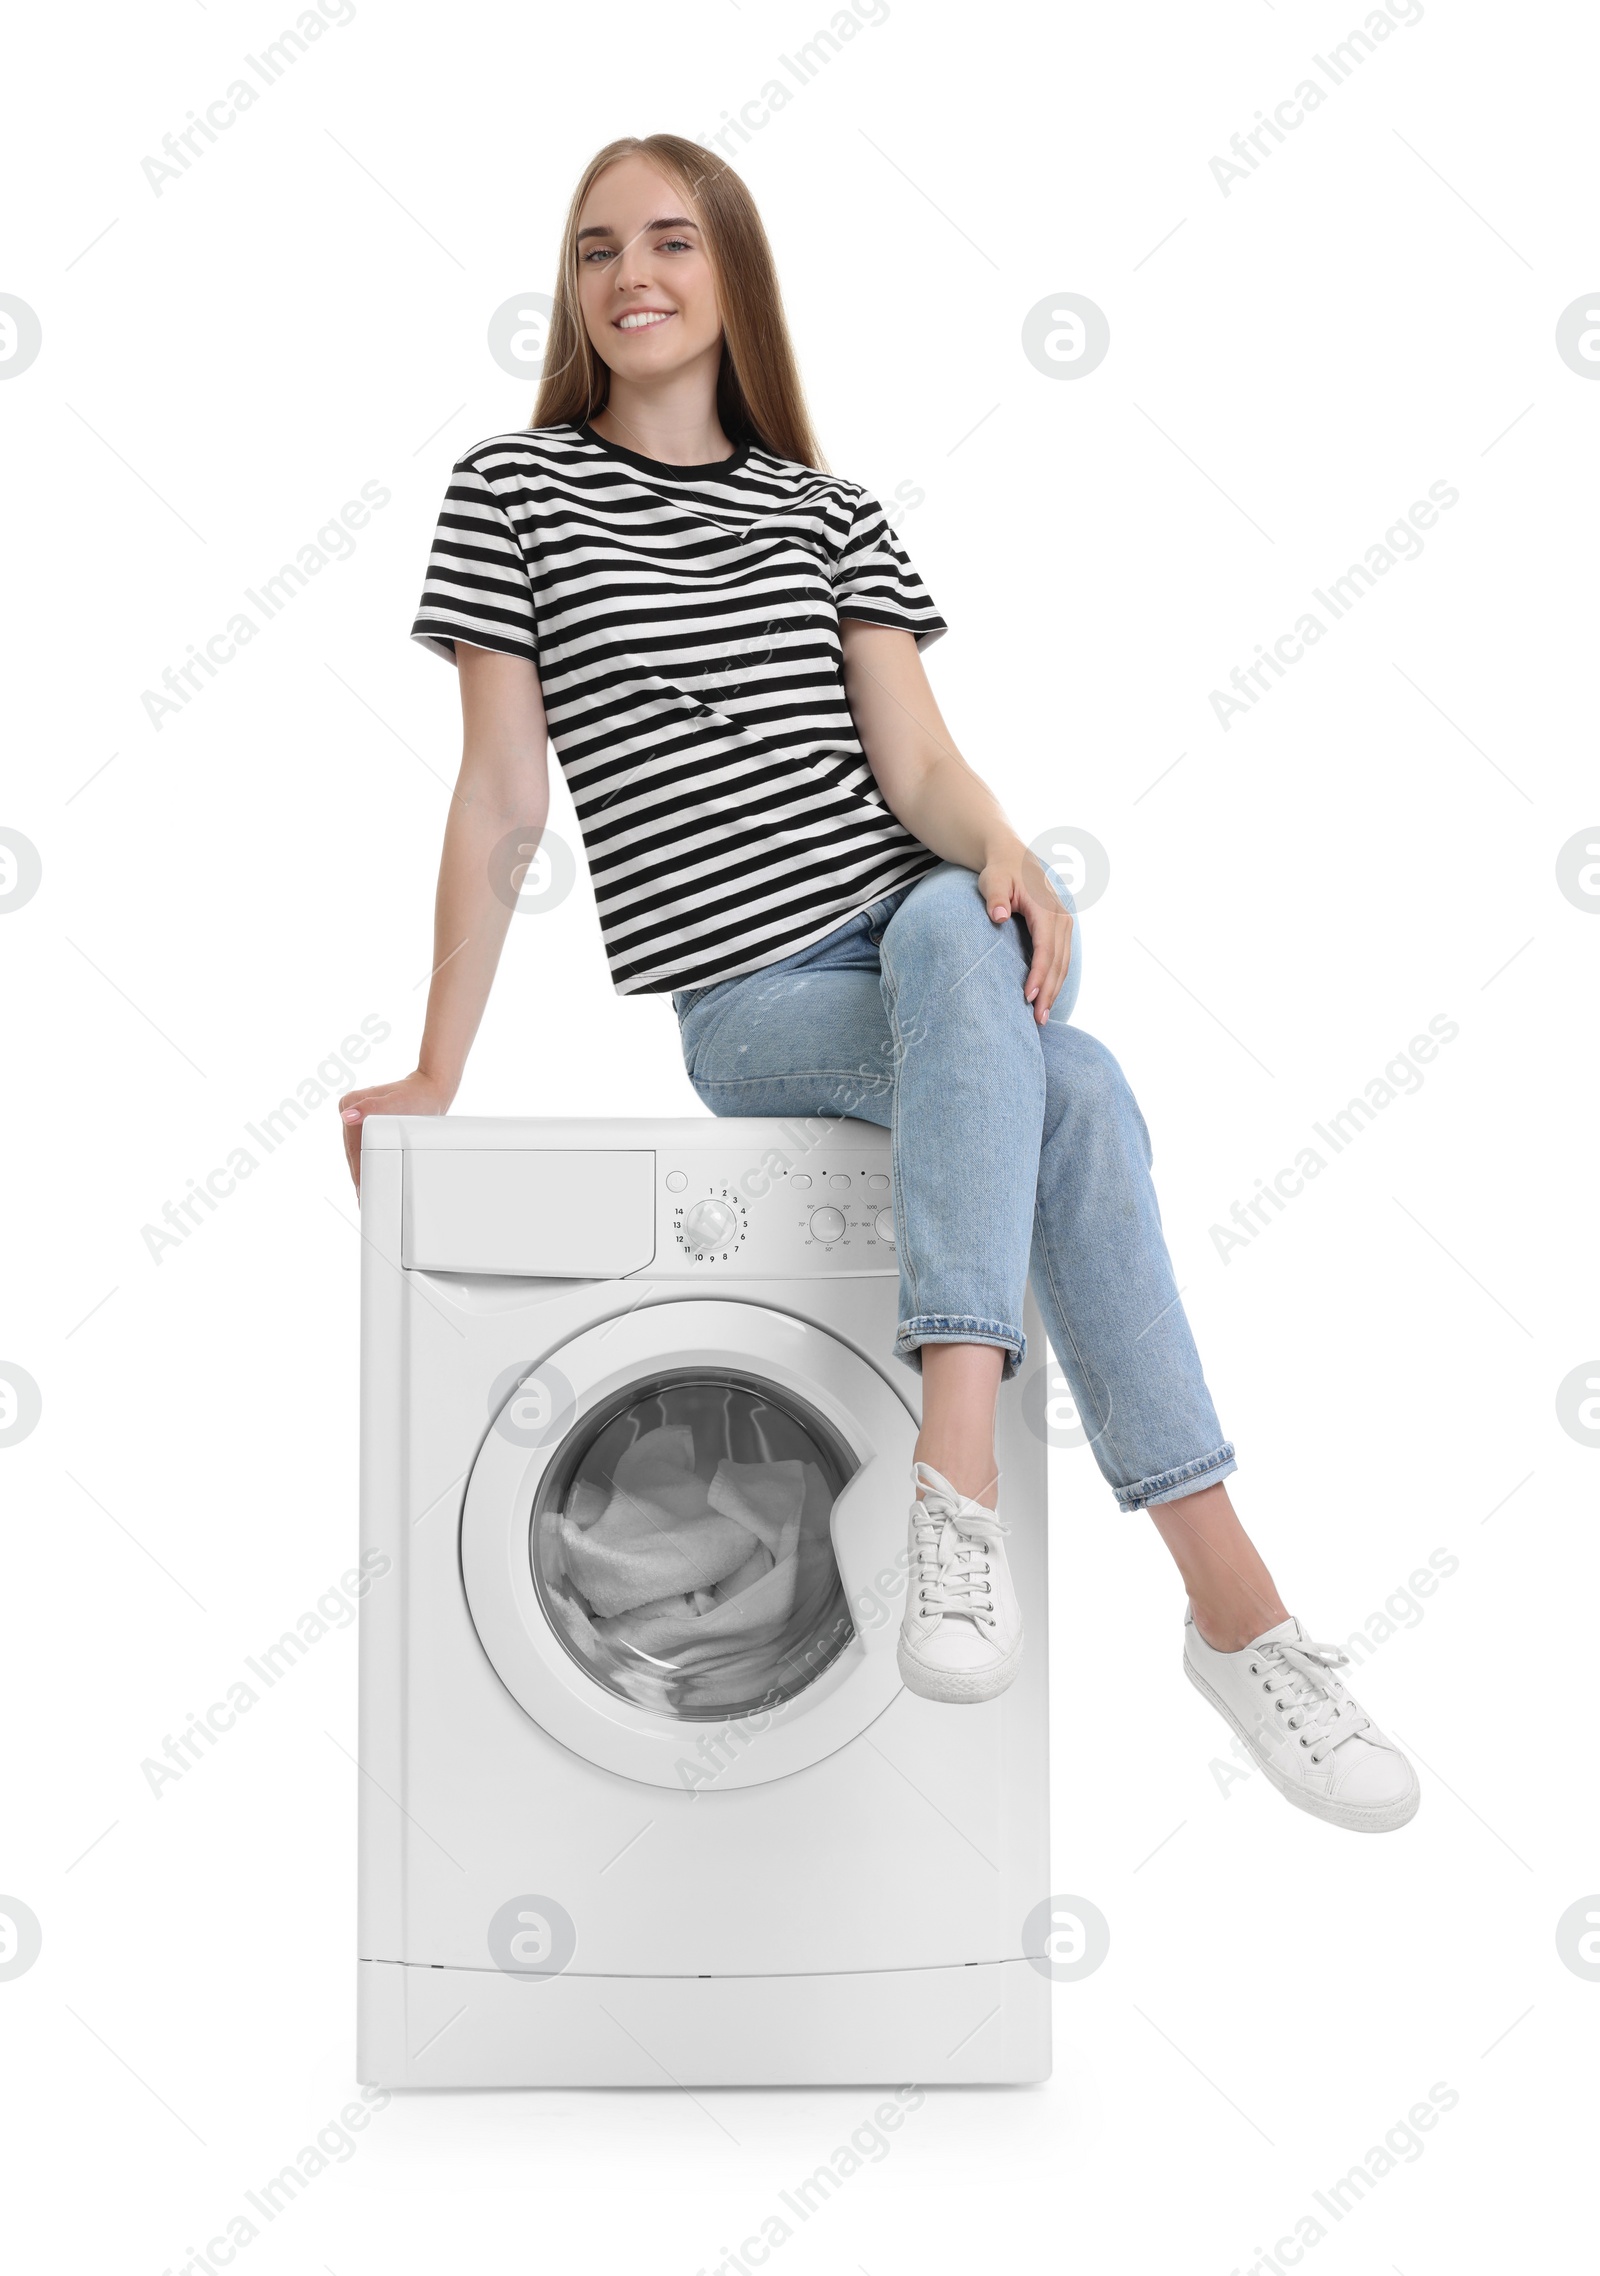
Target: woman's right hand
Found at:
415, 1093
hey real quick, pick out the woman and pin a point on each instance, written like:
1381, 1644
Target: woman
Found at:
722, 639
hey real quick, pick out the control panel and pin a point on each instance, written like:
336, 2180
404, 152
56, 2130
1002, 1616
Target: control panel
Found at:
774, 1215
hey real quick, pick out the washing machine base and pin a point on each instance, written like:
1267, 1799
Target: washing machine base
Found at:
988, 2024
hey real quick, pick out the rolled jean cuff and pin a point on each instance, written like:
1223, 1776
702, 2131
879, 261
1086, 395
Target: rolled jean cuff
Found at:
955, 1327
1172, 1485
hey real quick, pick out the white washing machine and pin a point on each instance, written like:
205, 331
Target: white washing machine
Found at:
643, 1801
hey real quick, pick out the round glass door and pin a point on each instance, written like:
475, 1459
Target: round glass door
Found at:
681, 1543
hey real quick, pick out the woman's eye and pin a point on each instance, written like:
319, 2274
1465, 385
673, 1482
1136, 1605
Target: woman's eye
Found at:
669, 244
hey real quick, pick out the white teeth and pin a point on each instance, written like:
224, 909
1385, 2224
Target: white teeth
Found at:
638, 323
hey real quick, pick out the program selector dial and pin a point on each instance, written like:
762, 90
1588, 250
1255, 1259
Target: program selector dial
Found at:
710, 1226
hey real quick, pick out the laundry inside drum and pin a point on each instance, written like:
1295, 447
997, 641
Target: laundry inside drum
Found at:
682, 1547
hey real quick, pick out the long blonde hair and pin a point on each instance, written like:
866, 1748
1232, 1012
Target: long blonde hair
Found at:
759, 396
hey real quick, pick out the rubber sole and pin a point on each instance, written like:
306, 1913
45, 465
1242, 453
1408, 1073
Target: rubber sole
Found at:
1355, 1817
959, 1687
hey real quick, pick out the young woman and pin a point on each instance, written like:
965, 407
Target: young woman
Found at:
722, 640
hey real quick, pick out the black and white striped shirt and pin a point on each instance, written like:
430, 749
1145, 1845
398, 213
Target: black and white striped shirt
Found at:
684, 623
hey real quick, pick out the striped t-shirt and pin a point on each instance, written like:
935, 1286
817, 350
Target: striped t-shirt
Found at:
684, 623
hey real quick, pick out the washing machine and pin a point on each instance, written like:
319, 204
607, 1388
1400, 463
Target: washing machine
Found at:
643, 1800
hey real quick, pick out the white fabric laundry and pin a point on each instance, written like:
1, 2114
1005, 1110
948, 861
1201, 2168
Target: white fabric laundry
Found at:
763, 1496
620, 1565
586, 1502
698, 1593
659, 1533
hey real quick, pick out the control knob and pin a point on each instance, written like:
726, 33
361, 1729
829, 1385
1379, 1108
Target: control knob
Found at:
710, 1226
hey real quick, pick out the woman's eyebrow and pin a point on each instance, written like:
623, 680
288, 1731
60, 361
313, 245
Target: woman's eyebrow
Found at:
672, 221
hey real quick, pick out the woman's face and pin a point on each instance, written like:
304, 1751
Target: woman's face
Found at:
645, 283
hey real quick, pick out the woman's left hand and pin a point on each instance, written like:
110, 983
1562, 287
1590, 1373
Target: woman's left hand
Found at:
1015, 885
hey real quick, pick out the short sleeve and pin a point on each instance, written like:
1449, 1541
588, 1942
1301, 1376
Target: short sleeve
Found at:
477, 587
873, 578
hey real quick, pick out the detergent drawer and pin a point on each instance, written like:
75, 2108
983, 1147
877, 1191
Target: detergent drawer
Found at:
566, 1216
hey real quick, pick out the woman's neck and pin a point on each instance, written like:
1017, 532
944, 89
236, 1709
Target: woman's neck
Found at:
677, 429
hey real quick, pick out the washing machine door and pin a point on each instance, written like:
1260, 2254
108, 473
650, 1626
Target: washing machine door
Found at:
683, 1543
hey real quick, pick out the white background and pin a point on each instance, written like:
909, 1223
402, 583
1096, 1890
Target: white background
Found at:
225, 898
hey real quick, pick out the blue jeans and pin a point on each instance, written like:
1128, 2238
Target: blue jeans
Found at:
1017, 1152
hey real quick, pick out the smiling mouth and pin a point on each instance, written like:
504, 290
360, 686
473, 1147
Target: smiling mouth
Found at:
644, 321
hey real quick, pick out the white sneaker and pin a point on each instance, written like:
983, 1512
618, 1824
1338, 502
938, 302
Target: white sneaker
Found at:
961, 1638
1317, 1744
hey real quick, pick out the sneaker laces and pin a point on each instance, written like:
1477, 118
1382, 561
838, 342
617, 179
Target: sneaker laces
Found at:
1307, 1668
952, 1534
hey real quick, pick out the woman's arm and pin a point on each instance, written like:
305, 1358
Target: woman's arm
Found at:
928, 786
503, 785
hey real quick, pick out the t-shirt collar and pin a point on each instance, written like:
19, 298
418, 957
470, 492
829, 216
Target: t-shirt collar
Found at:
660, 465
